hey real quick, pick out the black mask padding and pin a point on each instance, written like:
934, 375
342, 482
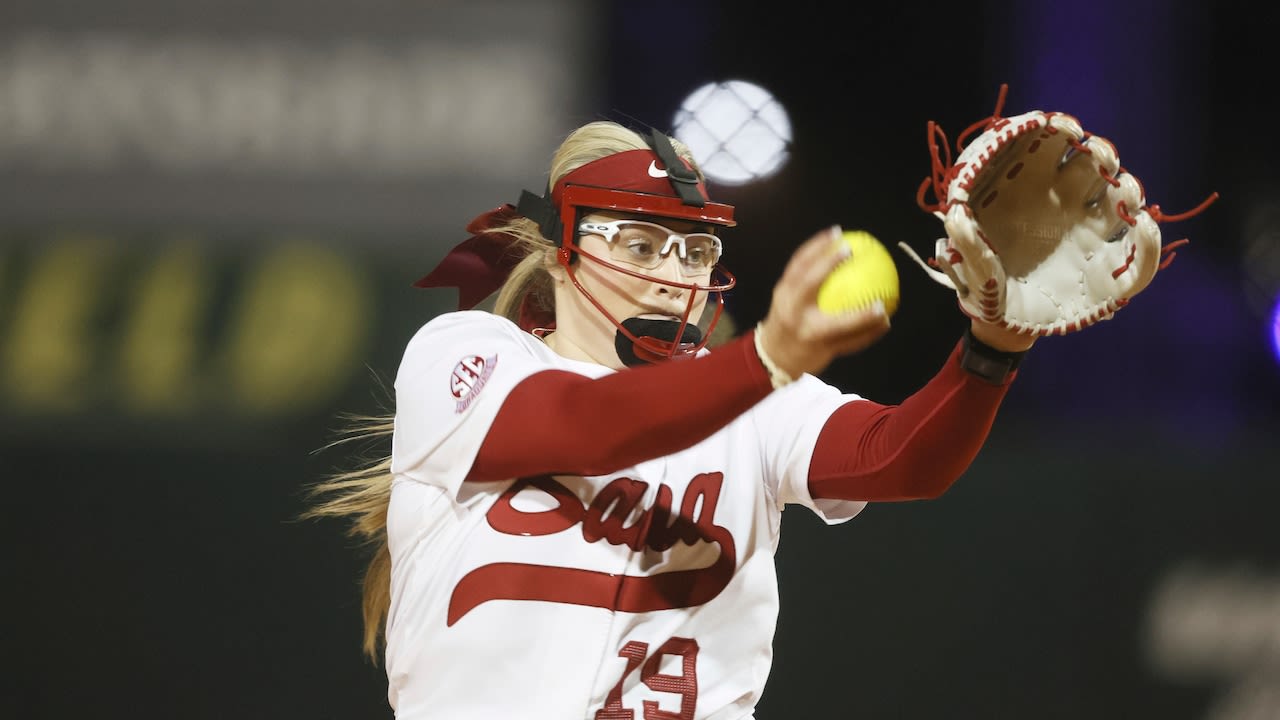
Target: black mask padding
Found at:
661, 330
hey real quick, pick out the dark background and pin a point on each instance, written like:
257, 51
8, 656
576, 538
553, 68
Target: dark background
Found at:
1113, 551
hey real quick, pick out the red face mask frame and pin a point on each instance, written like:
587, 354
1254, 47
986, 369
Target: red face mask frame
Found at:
575, 199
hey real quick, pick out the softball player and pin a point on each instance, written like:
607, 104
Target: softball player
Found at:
582, 504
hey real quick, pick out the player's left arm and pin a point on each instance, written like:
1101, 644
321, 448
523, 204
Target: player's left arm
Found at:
915, 450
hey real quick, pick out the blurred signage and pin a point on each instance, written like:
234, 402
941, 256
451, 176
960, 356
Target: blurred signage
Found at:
1220, 624
173, 329
379, 114
309, 150
104, 101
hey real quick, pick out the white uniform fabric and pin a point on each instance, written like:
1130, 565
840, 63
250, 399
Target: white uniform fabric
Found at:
582, 597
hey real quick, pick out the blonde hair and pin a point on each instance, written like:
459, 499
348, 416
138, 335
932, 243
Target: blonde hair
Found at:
361, 495
530, 277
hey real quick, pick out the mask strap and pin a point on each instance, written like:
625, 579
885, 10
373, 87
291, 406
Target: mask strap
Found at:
683, 179
543, 212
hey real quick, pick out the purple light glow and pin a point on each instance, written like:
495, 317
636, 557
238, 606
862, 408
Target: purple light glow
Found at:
1275, 329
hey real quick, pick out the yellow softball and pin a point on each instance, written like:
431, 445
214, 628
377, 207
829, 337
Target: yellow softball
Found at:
868, 275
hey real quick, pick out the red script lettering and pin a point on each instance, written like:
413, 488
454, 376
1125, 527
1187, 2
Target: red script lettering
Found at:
603, 519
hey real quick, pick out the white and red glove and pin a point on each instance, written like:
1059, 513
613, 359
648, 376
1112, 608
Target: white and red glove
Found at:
1046, 232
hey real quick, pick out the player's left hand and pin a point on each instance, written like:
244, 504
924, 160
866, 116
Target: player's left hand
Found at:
1046, 233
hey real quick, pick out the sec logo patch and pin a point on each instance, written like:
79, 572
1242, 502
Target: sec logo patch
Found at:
469, 377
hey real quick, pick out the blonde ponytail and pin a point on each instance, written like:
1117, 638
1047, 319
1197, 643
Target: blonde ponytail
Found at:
362, 495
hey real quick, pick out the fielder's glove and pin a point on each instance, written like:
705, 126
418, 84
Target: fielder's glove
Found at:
1046, 232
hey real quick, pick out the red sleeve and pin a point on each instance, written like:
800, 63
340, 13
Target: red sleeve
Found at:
911, 451
561, 422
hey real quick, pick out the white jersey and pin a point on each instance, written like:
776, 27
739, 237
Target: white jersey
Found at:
649, 592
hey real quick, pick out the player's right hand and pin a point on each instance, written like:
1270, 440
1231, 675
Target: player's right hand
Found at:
795, 334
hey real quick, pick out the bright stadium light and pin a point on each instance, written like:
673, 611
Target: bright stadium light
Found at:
738, 132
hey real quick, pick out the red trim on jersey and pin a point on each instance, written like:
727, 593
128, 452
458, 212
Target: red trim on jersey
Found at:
912, 451
556, 421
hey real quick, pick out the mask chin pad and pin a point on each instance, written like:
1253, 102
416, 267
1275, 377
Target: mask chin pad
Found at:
656, 339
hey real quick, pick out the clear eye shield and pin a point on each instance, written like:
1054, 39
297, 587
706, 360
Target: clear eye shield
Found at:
647, 245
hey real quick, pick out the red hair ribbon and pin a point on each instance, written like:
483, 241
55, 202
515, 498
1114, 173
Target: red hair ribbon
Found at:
480, 264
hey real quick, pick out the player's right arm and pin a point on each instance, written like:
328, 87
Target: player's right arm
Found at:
560, 422
530, 419
564, 423
474, 402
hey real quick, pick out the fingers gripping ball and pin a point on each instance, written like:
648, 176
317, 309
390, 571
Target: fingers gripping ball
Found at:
866, 276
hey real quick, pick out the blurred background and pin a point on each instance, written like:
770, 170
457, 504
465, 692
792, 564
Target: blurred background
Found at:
211, 214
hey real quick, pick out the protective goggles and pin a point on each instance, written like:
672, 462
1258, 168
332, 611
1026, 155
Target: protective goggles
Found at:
647, 245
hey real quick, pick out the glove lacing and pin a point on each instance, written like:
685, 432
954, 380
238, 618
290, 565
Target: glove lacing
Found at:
943, 173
